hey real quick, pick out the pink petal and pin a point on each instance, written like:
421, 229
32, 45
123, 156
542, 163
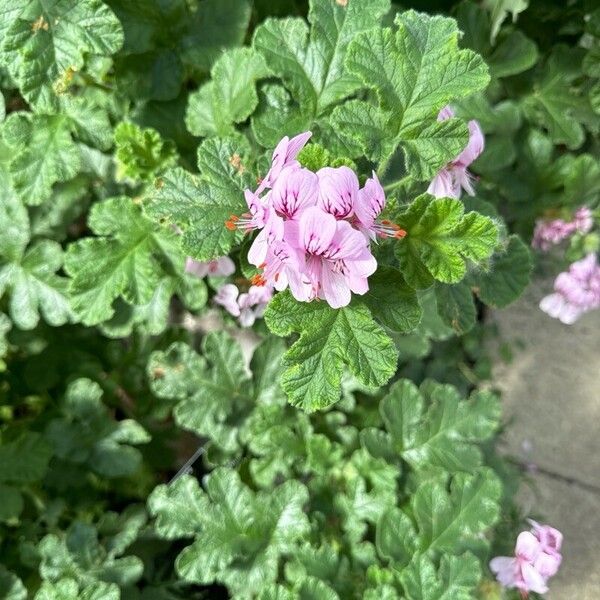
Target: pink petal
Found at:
334, 287
227, 298
247, 317
445, 113
528, 546
294, 190
474, 147
370, 201
550, 538
552, 305
338, 190
317, 229
533, 580
296, 144
346, 243
195, 267
547, 565
442, 185
224, 267
506, 570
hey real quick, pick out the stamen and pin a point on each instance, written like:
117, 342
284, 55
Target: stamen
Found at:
258, 280
388, 229
231, 223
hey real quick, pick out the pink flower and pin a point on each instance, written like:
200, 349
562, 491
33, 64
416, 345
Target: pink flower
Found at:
295, 190
551, 233
338, 190
248, 306
338, 259
455, 176
583, 219
576, 291
368, 206
284, 155
220, 267
285, 266
537, 559
227, 296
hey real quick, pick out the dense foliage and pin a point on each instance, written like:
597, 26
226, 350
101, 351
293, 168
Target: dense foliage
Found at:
333, 453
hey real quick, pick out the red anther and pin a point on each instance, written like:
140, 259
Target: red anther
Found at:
386, 222
258, 279
262, 266
231, 222
400, 233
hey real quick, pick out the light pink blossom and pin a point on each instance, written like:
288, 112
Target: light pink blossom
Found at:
220, 267
284, 155
548, 233
338, 191
367, 208
576, 291
248, 306
295, 190
537, 559
455, 176
338, 259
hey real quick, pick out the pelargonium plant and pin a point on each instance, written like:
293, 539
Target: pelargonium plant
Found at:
247, 250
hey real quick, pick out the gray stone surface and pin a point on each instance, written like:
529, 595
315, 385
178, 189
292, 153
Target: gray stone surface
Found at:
551, 394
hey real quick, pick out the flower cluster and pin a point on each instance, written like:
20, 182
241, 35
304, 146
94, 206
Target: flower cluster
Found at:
455, 176
315, 228
537, 559
576, 291
248, 306
548, 233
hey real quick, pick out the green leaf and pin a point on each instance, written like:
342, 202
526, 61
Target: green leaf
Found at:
507, 275
499, 11
244, 533
514, 54
581, 176
393, 302
456, 306
555, 104
67, 589
396, 537
415, 71
86, 434
329, 339
43, 41
177, 508
141, 153
456, 579
25, 459
209, 397
450, 521
12, 503
311, 61
29, 272
44, 153
230, 97
446, 433
441, 239
78, 554
200, 205
128, 259
511, 54
11, 587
